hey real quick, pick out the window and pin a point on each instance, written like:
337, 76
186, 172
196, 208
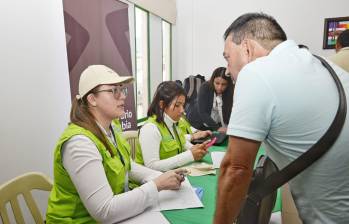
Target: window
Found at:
166, 51
142, 61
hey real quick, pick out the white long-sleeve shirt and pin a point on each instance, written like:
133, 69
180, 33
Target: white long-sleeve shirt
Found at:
150, 138
217, 107
83, 163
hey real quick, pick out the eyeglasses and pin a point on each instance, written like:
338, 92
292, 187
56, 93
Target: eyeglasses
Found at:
115, 91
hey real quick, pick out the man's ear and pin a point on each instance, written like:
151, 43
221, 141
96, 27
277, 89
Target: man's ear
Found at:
91, 100
255, 50
248, 49
338, 46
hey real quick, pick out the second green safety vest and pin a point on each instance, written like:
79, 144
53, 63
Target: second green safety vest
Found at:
185, 126
169, 145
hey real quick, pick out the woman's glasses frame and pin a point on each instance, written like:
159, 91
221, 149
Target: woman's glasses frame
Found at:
116, 91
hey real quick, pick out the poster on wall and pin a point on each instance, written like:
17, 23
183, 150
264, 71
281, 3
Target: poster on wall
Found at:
97, 32
333, 27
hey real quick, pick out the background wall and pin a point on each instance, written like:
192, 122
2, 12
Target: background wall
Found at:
34, 93
198, 33
35, 90
155, 46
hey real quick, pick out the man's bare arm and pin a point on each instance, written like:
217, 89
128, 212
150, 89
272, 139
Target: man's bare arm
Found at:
234, 179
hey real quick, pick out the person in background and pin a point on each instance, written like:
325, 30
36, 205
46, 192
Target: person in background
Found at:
164, 144
341, 58
179, 82
285, 98
92, 163
212, 109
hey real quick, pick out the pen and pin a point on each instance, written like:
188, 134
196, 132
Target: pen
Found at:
183, 174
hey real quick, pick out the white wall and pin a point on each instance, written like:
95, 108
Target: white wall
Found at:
198, 33
35, 92
162, 8
155, 47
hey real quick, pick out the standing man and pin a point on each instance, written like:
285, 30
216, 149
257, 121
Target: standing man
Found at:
341, 58
286, 99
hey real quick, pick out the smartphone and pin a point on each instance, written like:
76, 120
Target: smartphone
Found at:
210, 143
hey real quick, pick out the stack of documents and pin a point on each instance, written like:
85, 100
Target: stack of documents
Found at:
200, 169
147, 217
183, 198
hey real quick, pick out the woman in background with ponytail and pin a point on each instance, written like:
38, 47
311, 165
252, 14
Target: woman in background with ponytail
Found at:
214, 102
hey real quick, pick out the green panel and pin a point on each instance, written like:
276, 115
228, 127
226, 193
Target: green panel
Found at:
209, 184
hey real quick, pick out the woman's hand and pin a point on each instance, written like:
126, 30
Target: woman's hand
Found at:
170, 180
199, 151
200, 134
222, 130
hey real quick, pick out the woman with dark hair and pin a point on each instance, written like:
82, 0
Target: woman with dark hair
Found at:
212, 108
92, 163
163, 142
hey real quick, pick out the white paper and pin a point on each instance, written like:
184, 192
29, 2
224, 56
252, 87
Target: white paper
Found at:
147, 217
217, 158
183, 198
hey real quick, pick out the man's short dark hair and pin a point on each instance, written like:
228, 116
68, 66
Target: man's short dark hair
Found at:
343, 38
258, 26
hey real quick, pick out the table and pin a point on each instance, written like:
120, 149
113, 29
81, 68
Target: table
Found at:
209, 184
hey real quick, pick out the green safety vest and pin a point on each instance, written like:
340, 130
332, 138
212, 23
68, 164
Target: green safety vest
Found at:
65, 205
185, 126
169, 145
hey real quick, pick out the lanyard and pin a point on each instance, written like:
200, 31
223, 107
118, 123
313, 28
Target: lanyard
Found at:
126, 188
176, 137
116, 146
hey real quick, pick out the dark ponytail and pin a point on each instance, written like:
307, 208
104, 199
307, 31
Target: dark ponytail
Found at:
81, 116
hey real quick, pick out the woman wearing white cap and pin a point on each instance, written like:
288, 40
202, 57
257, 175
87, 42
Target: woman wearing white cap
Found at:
92, 162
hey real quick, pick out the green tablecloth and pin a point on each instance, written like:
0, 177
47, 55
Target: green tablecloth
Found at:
209, 184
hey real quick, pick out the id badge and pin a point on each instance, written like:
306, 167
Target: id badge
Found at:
126, 188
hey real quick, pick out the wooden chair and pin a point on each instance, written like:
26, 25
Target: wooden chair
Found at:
132, 138
22, 185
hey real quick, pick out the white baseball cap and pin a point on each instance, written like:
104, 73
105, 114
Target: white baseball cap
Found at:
95, 75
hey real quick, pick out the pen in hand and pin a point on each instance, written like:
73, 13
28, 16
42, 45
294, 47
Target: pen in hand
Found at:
183, 173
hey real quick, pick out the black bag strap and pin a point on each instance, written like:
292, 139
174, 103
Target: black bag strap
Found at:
276, 180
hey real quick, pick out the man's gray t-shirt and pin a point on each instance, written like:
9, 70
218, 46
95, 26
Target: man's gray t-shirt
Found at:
288, 100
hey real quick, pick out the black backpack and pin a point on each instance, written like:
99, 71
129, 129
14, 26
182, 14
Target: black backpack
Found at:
192, 86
